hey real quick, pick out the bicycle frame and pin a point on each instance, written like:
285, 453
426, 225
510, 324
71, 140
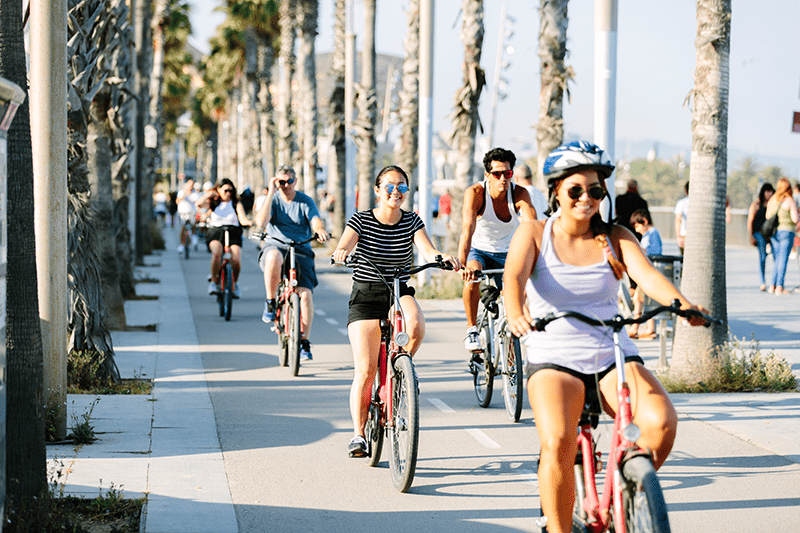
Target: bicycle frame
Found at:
390, 350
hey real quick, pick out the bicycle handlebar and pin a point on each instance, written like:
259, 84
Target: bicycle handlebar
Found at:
259, 235
397, 272
618, 322
481, 273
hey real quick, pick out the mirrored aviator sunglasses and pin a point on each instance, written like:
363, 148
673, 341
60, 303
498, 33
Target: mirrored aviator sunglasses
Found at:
389, 188
595, 192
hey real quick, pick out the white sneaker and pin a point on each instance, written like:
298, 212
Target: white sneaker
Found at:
472, 341
213, 288
180, 248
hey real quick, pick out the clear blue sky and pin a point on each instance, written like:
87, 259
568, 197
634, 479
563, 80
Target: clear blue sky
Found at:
655, 65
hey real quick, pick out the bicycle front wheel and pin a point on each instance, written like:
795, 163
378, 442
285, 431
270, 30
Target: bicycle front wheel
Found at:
511, 362
483, 372
294, 333
404, 430
227, 291
374, 429
642, 499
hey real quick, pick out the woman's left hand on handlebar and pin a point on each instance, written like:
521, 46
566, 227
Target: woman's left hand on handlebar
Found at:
520, 325
340, 255
696, 320
453, 261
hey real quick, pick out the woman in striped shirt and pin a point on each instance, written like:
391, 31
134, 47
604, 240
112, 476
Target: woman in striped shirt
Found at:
384, 236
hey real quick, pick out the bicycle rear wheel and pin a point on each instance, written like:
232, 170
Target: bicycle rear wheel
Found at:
642, 499
294, 333
483, 373
404, 430
374, 429
227, 290
280, 325
511, 363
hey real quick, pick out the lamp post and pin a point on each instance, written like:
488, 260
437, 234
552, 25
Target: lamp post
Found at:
506, 31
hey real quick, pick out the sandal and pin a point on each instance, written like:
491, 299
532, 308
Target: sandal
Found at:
763, 288
633, 335
650, 335
781, 290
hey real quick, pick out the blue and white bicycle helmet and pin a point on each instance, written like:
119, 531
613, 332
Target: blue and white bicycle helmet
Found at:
573, 157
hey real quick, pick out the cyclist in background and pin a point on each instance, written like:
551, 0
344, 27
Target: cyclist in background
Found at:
492, 211
289, 215
385, 236
224, 209
573, 261
187, 211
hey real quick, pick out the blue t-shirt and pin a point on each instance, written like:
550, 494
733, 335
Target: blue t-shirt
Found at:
291, 221
651, 242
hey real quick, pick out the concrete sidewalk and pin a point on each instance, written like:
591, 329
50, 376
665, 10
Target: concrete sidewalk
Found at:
165, 445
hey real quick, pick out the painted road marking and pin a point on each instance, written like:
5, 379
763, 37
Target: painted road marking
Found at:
440, 405
483, 438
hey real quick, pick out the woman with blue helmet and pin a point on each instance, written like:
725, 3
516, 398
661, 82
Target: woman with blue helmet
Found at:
573, 261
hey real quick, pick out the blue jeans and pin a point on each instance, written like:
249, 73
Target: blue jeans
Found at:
781, 245
489, 261
761, 242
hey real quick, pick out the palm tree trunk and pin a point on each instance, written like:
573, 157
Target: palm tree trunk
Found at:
465, 112
367, 104
160, 15
266, 55
308, 12
26, 476
406, 154
287, 60
145, 171
553, 23
703, 279
338, 139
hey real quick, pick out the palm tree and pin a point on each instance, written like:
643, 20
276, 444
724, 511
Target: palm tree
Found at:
145, 171
338, 139
465, 117
307, 13
555, 76
406, 152
366, 102
703, 280
25, 451
161, 9
286, 12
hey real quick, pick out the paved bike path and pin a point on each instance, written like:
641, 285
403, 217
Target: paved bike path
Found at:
166, 445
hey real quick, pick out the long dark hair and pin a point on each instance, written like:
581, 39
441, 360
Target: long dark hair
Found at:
216, 200
767, 187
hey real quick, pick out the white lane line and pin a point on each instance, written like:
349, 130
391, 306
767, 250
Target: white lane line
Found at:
320, 312
483, 438
440, 405
332, 321
343, 331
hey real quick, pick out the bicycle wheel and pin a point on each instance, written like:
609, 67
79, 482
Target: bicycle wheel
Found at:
642, 500
227, 290
511, 363
280, 324
404, 430
294, 333
374, 429
186, 240
220, 299
483, 373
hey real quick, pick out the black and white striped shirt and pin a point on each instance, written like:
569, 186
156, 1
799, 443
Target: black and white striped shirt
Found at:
386, 246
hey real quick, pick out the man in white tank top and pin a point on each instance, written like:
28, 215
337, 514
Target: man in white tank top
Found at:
491, 212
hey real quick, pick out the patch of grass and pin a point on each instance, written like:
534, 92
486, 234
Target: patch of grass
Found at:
52, 411
82, 377
737, 366
146, 279
441, 286
142, 297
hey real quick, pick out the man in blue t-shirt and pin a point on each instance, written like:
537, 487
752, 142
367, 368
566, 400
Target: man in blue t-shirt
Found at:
290, 215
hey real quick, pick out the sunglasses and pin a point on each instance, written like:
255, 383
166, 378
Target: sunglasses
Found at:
507, 174
389, 188
282, 183
227, 190
595, 192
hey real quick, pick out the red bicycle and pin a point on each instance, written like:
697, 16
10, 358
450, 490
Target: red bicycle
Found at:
288, 317
632, 500
394, 410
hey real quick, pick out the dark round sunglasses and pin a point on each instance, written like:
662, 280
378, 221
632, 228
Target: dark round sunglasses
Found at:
389, 188
595, 192
282, 183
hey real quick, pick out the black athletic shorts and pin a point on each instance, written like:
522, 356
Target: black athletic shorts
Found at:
215, 233
372, 300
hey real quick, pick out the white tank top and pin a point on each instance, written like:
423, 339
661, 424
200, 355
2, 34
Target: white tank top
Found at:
491, 233
224, 215
592, 290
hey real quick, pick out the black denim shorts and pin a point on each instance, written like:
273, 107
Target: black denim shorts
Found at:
372, 300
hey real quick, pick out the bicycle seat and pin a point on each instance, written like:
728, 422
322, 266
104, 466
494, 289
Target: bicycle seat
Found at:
591, 408
385, 327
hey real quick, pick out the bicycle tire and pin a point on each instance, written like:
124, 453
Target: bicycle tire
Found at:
483, 375
511, 363
404, 430
374, 430
220, 301
281, 329
642, 499
227, 291
284, 347
294, 333
188, 239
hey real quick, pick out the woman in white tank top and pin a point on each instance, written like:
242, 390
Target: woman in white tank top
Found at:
573, 261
